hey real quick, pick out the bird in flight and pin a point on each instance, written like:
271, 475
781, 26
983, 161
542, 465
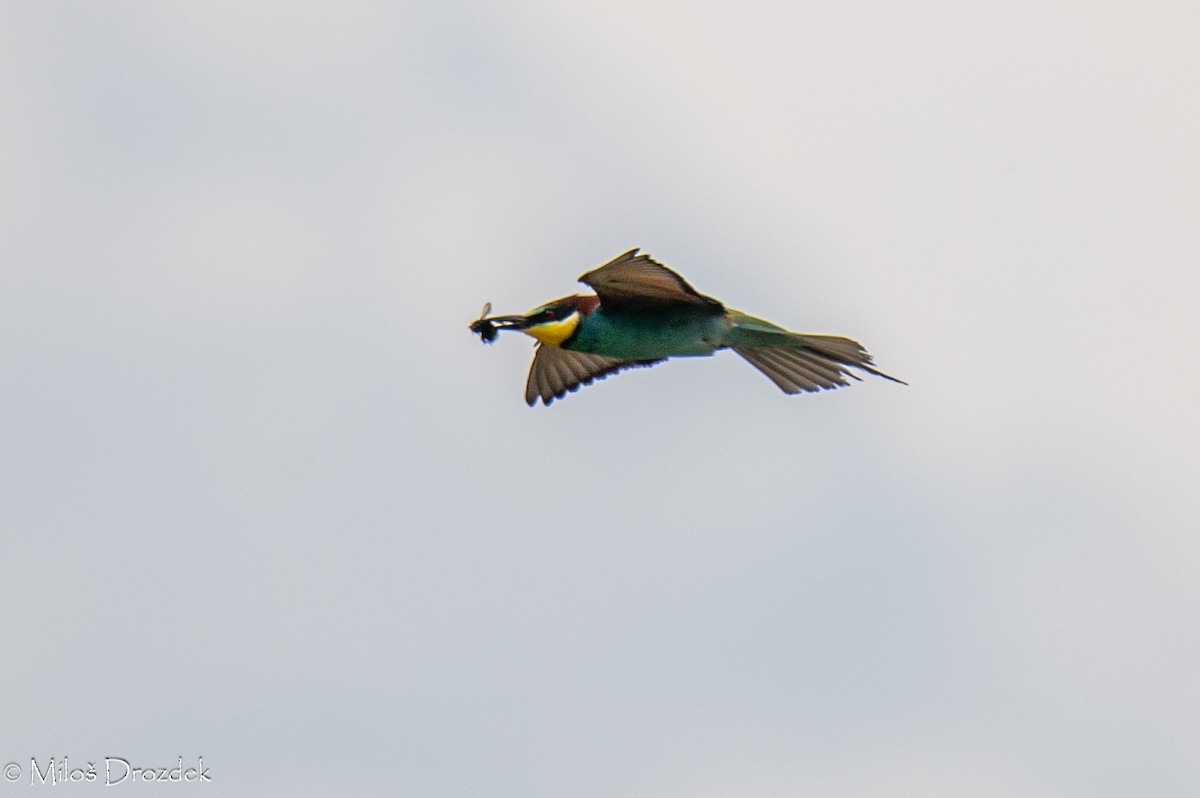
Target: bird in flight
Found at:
643, 313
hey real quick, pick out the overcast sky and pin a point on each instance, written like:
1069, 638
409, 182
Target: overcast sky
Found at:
264, 499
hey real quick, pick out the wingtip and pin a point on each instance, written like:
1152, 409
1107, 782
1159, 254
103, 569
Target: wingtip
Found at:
629, 255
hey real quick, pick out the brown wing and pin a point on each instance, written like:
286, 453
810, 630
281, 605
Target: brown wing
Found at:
555, 371
637, 280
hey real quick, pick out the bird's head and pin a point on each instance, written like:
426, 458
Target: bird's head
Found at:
551, 323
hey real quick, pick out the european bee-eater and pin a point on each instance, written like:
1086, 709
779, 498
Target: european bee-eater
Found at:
643, 313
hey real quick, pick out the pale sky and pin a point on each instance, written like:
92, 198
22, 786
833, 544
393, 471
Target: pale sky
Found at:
264, 498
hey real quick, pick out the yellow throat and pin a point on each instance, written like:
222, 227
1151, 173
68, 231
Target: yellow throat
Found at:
554, 332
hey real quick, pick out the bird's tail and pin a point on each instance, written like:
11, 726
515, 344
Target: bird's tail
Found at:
799, 361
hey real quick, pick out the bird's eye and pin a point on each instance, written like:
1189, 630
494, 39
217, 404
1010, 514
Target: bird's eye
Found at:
549, 313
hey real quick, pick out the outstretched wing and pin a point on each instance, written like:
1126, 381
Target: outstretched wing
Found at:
555, 371
633, 280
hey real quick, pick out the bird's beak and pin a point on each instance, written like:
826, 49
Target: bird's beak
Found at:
506, 322
499, 323
488, 327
